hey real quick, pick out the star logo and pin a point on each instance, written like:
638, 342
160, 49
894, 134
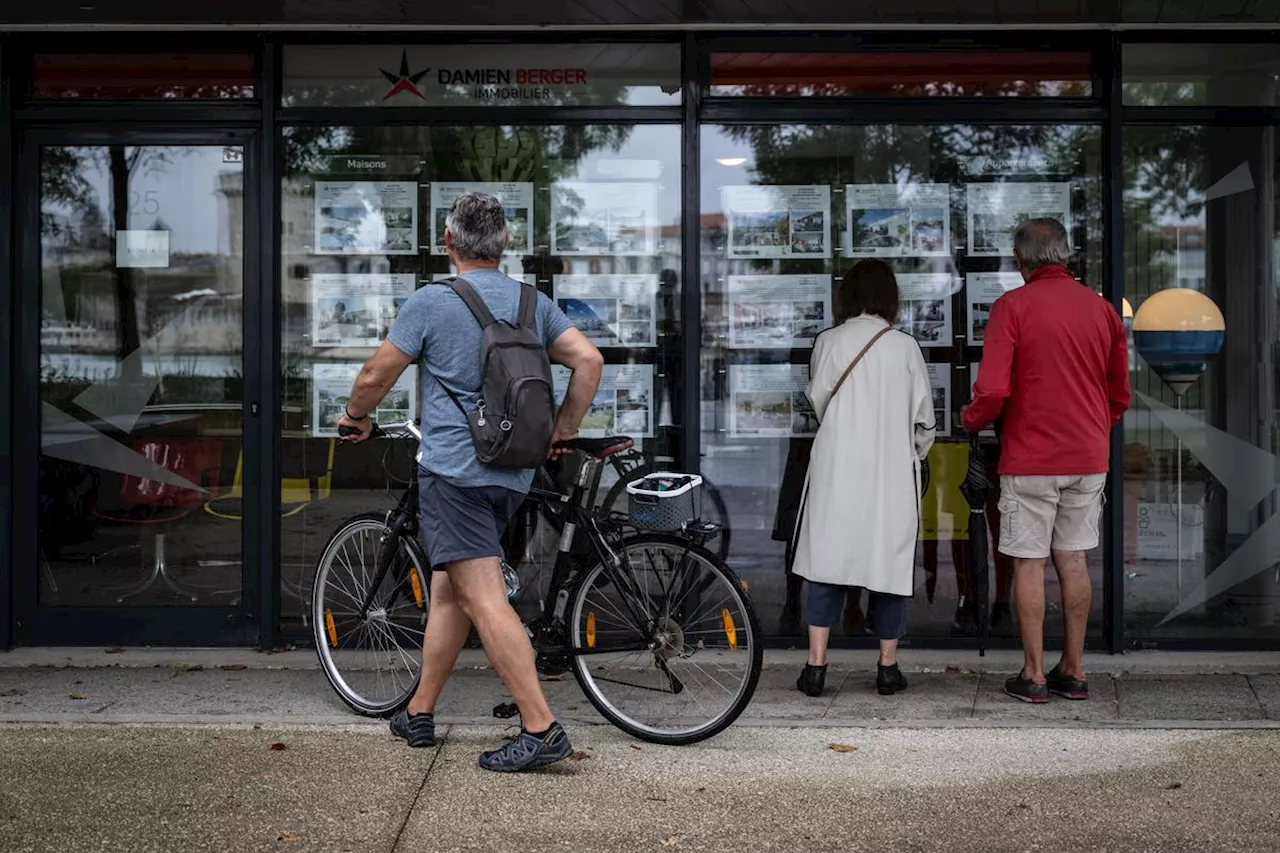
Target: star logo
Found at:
404, 81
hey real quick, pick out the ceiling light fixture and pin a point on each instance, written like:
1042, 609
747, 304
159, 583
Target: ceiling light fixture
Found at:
731, 161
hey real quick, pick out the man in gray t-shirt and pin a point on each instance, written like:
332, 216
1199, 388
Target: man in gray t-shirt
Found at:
465, 505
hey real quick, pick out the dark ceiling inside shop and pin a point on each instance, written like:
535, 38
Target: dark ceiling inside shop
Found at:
616, 13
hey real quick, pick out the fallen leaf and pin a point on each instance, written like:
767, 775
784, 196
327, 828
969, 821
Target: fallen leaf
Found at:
571, 707
842, 747
278, 747
1175, 786
114, 650
636, 747
289, 836
579, 756
670, 841
233, 667
75, 695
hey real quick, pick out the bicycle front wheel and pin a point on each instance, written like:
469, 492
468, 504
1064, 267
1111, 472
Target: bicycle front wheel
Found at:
669, 649
370, 654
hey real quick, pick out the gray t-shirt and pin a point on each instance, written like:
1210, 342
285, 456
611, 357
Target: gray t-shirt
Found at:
435, 327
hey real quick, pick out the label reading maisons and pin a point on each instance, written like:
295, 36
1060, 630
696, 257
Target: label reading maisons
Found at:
372, 164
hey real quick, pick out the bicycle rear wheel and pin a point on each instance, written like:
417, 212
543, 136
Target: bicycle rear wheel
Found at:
371, 659
706, 655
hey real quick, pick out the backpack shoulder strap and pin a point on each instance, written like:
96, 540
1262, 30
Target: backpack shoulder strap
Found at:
527, 316
473, 301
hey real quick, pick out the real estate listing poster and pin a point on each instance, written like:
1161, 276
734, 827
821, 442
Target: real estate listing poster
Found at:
768, 401
778, 311
925, 308
997, 209
611, 310
982, 289
898, 220
973, 378
331, 389
366, 217
617, 218
940, 384
623, 404
791, 221
356, 309
516, 199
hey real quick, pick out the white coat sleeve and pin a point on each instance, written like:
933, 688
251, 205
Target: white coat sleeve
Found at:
923, 417
819, 388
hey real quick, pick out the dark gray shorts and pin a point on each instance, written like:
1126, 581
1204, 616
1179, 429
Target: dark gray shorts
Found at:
462, 523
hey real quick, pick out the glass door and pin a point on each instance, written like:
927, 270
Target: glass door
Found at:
139, 490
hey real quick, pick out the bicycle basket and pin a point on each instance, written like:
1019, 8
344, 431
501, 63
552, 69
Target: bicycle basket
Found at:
664, 500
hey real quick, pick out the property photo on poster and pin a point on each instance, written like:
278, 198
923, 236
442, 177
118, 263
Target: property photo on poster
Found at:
778, 311
925, 307
623, 404
898, 220
516, 199
997, 209
331, 389
768, 401
366, 217
778, 221
940, 385
356, 309
981, 290
611, 310
617, 218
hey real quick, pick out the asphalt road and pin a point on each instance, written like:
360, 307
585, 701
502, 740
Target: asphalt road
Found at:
205, 788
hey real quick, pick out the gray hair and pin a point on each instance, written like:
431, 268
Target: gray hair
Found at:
478, 224
1041, 242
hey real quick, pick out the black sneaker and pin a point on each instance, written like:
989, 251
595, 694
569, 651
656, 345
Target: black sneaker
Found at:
418, 730
1067, 688
889, 680
1023, 688
529, 751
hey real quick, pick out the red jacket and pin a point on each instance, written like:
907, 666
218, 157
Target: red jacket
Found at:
1055, 371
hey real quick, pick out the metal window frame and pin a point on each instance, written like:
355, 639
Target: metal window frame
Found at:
7, 295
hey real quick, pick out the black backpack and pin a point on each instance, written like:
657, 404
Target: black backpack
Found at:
515, 420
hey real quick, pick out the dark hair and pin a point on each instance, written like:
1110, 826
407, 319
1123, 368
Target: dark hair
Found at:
868, 288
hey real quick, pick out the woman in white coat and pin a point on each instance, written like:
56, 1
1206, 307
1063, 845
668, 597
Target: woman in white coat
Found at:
861, 512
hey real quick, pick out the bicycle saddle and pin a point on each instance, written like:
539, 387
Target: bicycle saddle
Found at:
598, 447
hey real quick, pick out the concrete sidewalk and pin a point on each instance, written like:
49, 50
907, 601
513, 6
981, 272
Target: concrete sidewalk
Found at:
947, 690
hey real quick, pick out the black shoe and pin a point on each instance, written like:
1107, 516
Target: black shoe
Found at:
812, 680
418, 730
889, 680
1067, 688
1023, 688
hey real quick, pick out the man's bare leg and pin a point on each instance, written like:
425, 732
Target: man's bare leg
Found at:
1028, 597
482, 594
1077, 594
447, 628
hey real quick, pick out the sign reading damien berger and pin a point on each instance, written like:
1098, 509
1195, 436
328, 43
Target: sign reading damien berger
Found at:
473, 75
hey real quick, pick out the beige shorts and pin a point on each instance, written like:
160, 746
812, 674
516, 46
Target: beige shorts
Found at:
1039, 514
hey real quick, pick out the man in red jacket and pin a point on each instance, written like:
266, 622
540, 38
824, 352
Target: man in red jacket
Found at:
1055, 373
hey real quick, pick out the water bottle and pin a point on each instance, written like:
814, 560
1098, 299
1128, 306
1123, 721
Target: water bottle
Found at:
512, 580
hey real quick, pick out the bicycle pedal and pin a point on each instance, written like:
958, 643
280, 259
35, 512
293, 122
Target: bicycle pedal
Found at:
505, 710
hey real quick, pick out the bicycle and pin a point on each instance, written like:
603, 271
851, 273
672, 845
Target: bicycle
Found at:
675, 617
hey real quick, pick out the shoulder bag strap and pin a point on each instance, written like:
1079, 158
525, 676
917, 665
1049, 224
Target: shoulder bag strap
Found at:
527, 316
857, 359
468, 295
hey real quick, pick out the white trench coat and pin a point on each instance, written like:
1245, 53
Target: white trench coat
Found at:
860, 515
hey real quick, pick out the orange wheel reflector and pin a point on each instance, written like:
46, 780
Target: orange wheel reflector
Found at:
730, 630
330, 628
417, 588
745, 588
591, 630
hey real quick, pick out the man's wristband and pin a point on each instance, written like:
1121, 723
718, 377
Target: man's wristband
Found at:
347, 411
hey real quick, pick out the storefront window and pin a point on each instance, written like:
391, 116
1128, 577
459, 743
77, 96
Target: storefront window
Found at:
141, 375
1194, 75
595, 218
1203, 438
903, 74
482, 75
786, 210
143, 76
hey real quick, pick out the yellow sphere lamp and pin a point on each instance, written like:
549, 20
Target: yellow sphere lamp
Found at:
1177, 331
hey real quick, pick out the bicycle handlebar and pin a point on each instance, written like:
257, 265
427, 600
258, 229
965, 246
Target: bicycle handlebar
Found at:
383, 430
